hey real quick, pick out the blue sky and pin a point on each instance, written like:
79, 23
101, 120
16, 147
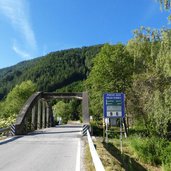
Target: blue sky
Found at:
33, 28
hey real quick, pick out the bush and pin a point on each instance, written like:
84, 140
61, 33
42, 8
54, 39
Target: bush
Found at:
5, 122
14, 101
97, 128
152, 150
167, 158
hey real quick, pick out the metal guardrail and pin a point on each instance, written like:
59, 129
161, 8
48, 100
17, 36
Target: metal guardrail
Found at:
96, 160
9, 130
4, 129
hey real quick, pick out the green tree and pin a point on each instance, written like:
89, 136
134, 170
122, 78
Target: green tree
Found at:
151, 85
62, 109
159, 108
51, 72
75, 109
144, 48
15, 100
163, 62
166, 4
112, 72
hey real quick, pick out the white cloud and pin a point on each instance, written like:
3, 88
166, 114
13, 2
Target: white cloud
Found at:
20, 52
17, 11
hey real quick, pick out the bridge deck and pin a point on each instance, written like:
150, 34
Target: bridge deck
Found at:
48, 149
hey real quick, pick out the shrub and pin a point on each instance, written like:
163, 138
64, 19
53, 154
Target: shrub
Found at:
166, 158
153, 150
97, 128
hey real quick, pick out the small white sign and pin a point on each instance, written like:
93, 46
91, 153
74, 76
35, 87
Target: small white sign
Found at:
107, 121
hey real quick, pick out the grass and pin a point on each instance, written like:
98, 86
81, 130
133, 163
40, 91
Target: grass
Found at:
89, 166
2, 136
110, 163
154, 151
113, 160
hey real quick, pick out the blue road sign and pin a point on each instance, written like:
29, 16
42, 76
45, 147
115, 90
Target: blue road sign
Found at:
114, 106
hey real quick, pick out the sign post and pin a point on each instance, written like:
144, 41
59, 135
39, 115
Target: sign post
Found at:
103, 129
107, 123
121, 135
114, 107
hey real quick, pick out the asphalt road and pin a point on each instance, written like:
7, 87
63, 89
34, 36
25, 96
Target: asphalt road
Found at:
51, 149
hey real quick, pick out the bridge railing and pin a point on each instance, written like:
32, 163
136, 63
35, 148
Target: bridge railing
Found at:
8, 131
5, 132
2, 130
95, 157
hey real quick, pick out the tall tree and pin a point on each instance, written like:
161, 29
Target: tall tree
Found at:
112, 72
152, 71
14, 101
165, 3
63, 110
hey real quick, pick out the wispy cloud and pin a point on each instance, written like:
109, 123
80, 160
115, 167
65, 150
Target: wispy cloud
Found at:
18, 14
20, 52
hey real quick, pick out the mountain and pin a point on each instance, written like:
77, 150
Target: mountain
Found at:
56, 70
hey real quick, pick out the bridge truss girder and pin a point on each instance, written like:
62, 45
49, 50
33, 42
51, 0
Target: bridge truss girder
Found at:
37, 111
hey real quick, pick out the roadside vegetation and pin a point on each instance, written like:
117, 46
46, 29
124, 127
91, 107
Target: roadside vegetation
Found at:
152, 150
141, 70
89, 165
129, 160
10, 107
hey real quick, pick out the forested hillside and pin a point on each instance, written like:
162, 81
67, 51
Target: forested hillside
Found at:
50, 72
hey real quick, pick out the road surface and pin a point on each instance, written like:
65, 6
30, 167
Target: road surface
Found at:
51, 149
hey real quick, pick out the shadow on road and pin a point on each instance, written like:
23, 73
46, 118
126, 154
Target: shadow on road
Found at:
10, 140
128, 163
54, 132
68, 126
5, 141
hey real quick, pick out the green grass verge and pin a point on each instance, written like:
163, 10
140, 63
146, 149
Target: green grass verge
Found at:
89, 166
129, 160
